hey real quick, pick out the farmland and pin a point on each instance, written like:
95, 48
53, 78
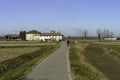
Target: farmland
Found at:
9, 53
92, 60
18, 58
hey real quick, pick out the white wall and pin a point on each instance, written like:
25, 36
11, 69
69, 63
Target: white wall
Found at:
32, 36
38, 37
29, 36
57, 38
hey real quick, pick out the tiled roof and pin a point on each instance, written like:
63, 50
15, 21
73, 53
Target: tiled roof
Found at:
12, 35
33, 32
51, 34
44, 34
2, 37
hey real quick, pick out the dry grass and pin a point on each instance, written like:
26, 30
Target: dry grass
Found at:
25, 63
108, 43
12, 49
17, 44
81, 68
105, 57
25, 43
20, 42
9, 53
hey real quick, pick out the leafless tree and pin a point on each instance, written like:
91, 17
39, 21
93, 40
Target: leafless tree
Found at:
111, 35
85, 33
99, 33
106, 33
80, 32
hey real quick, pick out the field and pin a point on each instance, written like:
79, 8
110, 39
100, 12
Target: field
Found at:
93, 60
17, 58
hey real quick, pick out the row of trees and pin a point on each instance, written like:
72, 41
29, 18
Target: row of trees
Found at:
100, 33
84, 34
104, 34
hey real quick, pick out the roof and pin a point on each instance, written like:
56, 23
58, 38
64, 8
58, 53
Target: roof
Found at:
44, 34
51, 34
12, 35
33, 32
2, 37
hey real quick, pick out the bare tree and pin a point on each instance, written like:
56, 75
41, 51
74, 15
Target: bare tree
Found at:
85, 33
80, 32
106, 33
111, 35
99, 33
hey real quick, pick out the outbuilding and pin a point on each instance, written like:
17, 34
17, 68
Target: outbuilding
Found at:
12, 37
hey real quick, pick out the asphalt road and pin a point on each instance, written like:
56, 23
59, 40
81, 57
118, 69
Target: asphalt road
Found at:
55, 67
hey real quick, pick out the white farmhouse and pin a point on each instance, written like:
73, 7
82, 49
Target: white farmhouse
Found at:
38, 36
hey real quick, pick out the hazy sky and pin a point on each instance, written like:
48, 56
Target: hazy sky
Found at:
66, 16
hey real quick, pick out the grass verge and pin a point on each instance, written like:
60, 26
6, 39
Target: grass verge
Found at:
80, 67
106, 58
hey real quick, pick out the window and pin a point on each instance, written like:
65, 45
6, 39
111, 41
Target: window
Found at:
36, 34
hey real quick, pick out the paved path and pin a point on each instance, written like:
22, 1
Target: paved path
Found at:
55, 67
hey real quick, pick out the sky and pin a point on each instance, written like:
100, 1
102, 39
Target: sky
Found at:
66, 16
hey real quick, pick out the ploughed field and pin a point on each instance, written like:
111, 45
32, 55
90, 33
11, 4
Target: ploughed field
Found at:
95, 60
17, 58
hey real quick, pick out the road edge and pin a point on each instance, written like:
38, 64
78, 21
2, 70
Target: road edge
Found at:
68, 65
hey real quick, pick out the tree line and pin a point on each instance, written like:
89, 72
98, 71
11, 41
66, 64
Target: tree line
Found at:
101, 34
104, 34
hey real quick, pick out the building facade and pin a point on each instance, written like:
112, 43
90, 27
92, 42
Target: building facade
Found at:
12, 37
38, 36
110, 38
2, 38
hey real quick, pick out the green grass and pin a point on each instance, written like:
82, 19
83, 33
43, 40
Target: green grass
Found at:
18, 67
80, 67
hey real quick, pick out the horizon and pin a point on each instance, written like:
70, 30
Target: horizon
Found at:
68, 17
